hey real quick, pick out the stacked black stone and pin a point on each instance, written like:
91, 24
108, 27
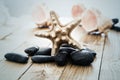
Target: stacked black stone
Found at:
83, 57
66, 53
31, 50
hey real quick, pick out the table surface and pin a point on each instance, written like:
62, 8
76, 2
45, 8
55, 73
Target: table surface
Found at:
106, 66
19, 36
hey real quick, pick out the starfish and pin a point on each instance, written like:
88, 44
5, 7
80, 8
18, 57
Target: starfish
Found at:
60, 34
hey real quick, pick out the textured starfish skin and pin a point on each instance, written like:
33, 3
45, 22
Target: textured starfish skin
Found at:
60, 34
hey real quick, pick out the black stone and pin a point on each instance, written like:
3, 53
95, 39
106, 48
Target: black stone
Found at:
31, 50
116, 28
115, 20
89, 51
42, 58
44, 51
83, 57
61, 58
67, 49
65, 45
43, 27
14, 57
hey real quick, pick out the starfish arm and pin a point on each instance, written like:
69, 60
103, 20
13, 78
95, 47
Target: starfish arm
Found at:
43, 34
54, 49
74, 43
59, 34
72, 25
54, 19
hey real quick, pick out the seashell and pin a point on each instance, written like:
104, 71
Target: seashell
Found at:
42, 58
83, 57
31, 50
14, 57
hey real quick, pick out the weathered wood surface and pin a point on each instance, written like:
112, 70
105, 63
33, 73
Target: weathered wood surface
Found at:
10, 42
110, 68
48, 71
11, 70
72, 72
17, 42
52, 72
104, 67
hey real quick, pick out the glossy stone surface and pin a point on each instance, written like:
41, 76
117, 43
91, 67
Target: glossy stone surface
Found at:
84, 57
15, 57
31, 50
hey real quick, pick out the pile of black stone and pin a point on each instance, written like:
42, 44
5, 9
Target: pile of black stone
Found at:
83, 57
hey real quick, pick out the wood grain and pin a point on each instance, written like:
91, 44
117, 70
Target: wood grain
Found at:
110, 69
43, 71
48, 71
72, 72
14, 40
6, 31
11, 70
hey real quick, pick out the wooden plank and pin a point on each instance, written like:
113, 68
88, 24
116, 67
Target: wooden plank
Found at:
72, 72
15, 24
110, 69
15, 39
6, 31
45, 71
11, 70
48, 71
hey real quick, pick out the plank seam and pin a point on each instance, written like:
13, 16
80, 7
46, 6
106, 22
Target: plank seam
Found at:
24, 72
4, 37
63, 71
26, 69
102, 58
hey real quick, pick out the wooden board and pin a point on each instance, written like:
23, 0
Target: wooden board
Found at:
48, 71
11, 70
6, 31
17, 42
110, 69
43, 71
15, 24
15, 39
72, 72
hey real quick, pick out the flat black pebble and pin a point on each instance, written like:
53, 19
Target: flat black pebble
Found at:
83, 57
66, 45
61, 58
89, 51
44, 51
116, 28
42, 58
115, 20
31, 50
14, 57
43, 27
67, 49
